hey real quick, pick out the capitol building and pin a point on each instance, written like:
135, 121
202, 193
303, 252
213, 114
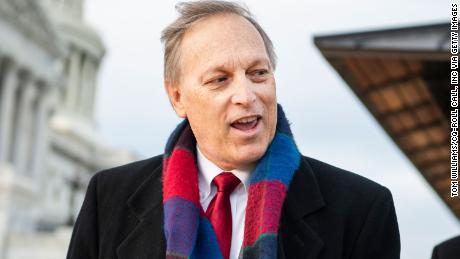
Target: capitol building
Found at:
49, 145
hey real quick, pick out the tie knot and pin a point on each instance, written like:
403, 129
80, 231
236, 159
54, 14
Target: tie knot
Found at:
226, 182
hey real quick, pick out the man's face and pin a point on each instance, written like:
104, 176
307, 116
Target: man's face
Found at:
226, 90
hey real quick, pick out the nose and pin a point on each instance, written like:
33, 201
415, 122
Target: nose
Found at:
243, 92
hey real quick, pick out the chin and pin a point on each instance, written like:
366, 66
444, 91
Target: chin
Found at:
250, 155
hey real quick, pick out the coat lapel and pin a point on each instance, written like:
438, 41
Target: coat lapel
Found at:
146, 240
297, 239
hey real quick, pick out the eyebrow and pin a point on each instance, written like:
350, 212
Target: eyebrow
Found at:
259, 61
225, 66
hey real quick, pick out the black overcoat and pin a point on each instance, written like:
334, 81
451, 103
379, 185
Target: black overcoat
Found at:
328, 213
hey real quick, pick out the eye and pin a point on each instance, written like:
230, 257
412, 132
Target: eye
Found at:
261, 72
221, 79
217, 80
259, 75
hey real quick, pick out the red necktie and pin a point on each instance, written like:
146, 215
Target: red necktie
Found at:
219, 210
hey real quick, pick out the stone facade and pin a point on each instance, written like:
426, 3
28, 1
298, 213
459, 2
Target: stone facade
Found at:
49, 146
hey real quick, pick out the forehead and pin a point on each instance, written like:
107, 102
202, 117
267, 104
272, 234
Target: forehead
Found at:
221, 40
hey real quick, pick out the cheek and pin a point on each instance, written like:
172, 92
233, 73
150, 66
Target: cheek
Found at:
195, 103
268, 92
206, 113
268, 97
270, 104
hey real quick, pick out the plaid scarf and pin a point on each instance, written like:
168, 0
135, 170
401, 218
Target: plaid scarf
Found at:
188, 233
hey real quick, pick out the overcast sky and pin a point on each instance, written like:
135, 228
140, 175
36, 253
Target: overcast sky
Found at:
329, 122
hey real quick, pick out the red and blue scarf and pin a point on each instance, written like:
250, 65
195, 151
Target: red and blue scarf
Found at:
188, 233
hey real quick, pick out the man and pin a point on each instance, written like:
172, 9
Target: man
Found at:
231, 182
449, 249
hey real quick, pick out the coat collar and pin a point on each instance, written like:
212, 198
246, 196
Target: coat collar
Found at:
146, 240
297, 238
304, 195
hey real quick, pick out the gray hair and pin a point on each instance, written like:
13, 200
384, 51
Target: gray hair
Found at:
190, 12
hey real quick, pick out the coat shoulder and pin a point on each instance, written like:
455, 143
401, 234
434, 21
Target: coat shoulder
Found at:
347, 192
447, 249
125, 179
341, 181
133, 169
358, 217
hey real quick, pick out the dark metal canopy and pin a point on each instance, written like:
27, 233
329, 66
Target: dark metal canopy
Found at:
402, 77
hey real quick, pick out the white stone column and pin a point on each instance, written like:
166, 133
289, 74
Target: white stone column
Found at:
92, 93
74, 77
85, 87
32, 131
10, 84
7, 103
4, 216
24, 127
41, 141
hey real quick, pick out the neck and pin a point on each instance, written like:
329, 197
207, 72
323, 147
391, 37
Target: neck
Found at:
224, 166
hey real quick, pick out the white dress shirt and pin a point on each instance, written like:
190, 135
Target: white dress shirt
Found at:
238, 198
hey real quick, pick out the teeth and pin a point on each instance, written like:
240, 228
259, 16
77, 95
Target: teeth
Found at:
247, 120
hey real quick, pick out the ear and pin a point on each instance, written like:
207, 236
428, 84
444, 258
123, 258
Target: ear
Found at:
175, 98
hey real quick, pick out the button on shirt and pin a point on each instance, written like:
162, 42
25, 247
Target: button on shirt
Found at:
238, 199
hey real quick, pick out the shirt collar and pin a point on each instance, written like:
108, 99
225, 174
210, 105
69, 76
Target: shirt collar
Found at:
208, 170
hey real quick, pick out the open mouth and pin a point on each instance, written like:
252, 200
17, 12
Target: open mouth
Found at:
247, 123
